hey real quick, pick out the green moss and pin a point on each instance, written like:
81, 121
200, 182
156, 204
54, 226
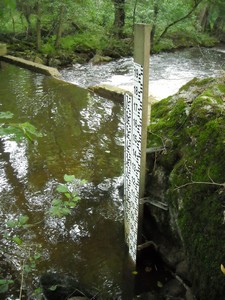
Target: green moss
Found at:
221, 88
195, 165
195, 82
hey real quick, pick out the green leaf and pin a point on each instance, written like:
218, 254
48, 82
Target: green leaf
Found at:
37, 256
71, 204
56, 202
53, 287
6, 115
69, 178
27, 269
23, 220
4, 288
62, 188
68, 195
12, 223
83, 181
6, 281
65, 211
76, 199
56, 211
17, 240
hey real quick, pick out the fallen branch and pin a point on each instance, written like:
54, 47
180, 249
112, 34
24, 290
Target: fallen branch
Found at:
211, 182
200, 182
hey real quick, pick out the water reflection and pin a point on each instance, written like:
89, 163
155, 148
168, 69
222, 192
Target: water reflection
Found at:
83, 136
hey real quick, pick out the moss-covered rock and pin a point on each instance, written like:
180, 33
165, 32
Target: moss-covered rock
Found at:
193, 121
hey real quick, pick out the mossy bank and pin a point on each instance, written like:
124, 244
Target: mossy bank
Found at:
190, 178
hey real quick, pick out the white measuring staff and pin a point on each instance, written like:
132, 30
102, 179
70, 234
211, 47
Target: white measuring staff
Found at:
135, 116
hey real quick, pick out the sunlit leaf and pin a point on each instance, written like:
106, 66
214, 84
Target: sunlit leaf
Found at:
23, 220
134, 273
53, 287
12, 223
69, 178
56, 202
68, 195
17, 240
62, 188
27, 269
6, 115
37, 256
4, 281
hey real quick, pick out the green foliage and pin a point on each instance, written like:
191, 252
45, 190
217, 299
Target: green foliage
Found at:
17, 131
4, 285
62, 207
88, 25
48, 48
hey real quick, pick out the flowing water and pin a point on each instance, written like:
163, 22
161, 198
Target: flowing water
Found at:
83, 136
168, 71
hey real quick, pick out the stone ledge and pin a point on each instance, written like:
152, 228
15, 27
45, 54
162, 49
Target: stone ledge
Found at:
30, 65
109, 91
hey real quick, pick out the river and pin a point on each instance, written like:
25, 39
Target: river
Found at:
82, 136
168, 71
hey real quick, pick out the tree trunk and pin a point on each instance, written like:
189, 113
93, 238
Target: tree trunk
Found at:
38, 25
60, 26
13, 22
204, 18
155, 15
119, 18
134, 13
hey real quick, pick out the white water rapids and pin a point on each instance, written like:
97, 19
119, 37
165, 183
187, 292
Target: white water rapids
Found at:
168, 71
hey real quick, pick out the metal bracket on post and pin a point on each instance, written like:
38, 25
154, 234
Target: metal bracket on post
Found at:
136, 120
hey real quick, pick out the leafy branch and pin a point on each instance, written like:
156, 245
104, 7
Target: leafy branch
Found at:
62, 206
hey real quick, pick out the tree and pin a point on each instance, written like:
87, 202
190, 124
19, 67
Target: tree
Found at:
180, 19
26, 8
211, 16
119, 17
60, 25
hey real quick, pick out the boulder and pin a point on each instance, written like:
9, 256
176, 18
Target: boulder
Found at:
189, 177
99, 59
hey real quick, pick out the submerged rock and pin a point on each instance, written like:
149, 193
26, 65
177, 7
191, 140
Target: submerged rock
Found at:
189, 177
61, 287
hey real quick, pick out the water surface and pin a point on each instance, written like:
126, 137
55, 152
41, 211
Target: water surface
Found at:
168, 71
82, 136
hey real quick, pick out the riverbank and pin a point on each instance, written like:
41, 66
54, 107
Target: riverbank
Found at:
62, 57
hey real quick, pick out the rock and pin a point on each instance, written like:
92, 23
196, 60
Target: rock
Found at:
173, 288
98, 59
109, 91
192, 183
182, 270
54, 62
38, 60
189, 295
